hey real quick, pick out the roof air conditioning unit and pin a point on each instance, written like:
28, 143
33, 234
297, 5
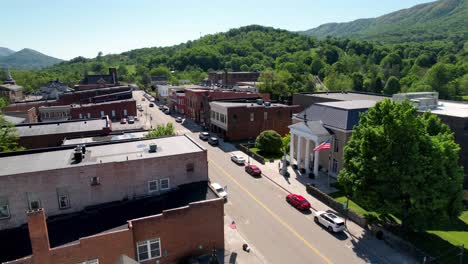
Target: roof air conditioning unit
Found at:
78, 155
152, 148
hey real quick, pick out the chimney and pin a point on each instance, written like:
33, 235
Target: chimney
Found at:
113, 73
39, 235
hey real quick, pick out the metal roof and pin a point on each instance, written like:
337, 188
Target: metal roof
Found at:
37, 129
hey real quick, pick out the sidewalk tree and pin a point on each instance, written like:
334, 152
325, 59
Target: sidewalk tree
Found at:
402, 163
8, 136
286, 141
161, 131
269, 141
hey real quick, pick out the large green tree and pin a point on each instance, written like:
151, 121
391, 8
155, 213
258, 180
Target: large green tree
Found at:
161, 131
8, 136
402, 163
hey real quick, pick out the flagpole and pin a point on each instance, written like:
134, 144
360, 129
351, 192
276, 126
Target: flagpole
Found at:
330, 159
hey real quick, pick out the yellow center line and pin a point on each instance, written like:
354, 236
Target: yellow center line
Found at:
281, 221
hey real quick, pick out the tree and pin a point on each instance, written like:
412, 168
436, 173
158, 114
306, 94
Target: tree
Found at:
161, 131
269, 141
401, 163
8, 136
286, 141
392, 86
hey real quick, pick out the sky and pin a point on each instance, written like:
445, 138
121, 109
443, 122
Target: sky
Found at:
67, 29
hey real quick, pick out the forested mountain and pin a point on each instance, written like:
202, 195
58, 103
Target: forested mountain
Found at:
289, 62
27, 59
430, 21
5, 51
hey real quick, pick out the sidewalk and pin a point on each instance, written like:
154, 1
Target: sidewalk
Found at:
360, 239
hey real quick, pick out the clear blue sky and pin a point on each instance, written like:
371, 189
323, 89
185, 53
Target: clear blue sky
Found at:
71, 28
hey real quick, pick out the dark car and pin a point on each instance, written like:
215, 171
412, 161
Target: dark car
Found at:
131, 119
253, 170
151, 105
213, 141
204, 136
298, 201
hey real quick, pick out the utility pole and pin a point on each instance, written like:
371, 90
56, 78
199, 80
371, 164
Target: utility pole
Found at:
462, 249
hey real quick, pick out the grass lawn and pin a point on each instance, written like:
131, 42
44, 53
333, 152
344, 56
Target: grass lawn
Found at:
267, 156
437, 242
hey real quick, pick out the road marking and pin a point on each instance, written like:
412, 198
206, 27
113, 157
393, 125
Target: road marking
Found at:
281, 221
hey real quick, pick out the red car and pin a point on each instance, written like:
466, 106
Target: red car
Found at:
298, 201
253, 170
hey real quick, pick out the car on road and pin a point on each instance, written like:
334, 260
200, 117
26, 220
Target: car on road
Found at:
123, 121
298, 201
151, 105
238, 159
143, 99
253, 170
219, 190
330, 221
161, 107
131, 119
204, 136
178, 119
213, 141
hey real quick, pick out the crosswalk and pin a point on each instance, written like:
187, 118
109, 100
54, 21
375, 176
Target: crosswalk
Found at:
182, 131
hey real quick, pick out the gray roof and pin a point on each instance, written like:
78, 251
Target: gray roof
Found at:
14, 119
349, 96
114, 137
340, 115
240, 104
107, 153
36, 129
12, 87
316, 127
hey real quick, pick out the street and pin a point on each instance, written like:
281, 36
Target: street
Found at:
276, 231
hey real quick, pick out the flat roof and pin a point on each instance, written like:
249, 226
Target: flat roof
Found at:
37, 129
350, 105
131, 135
240, 104
50, 159
450, 109
348, 96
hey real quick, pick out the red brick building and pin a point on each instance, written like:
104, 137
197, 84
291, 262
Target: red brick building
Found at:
243, 121
98, 81
198, 101
114, 109
178, 102
231, 78
166, 237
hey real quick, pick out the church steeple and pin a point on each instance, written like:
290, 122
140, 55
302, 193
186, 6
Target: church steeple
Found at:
9, 79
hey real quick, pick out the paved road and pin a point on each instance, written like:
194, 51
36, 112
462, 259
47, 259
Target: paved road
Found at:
279, 232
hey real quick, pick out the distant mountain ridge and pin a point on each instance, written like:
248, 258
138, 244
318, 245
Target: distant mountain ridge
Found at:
25, 59
429, 21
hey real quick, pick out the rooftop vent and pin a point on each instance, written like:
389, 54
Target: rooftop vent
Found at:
78, 155
259, 101
152, 148
267, 103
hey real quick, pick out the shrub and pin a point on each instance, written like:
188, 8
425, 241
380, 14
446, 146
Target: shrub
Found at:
269, 141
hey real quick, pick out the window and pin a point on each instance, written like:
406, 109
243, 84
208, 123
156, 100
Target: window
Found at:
113, 113
64, 201
189, 167
335, 166
265, 115
125, 112
89, 115
217, 116
95, 180
149, 249
336, 145
92, 261
251, 117
103, 114
81, 116
164, 184
222, 118
153, 186
4, 208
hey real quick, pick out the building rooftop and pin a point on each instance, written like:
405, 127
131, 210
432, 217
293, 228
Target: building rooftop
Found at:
62, 157
14, 119
447, 108
350, 105
348, 96
12, 87
245, 104
124, 136
36, 129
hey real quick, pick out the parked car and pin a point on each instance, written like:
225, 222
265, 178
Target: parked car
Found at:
298, 201
151, 105
139, 106
161, 107
253, 170
204, 136
238, 159
332, 222
178, 119
219, 190
131, 119
123, 121
167, 111
213, 141
143, 99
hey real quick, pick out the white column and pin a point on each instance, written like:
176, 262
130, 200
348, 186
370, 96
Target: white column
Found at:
316, 161
299, 151
307, 156
291, 149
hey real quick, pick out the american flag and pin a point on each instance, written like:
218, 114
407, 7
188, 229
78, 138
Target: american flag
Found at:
324, 145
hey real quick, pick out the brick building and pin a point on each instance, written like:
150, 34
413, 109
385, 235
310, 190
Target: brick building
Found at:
230, 79
11, 90
98, 81
63, 181
178, 102
198, 101
43, 135
114, 109
242, 121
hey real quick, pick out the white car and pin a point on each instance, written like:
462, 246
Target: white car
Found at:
238, 159
329, 220
219, 190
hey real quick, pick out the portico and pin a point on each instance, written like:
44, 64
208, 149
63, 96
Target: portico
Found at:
306, 134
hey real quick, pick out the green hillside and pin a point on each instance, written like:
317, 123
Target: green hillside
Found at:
27, 59
431, 21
